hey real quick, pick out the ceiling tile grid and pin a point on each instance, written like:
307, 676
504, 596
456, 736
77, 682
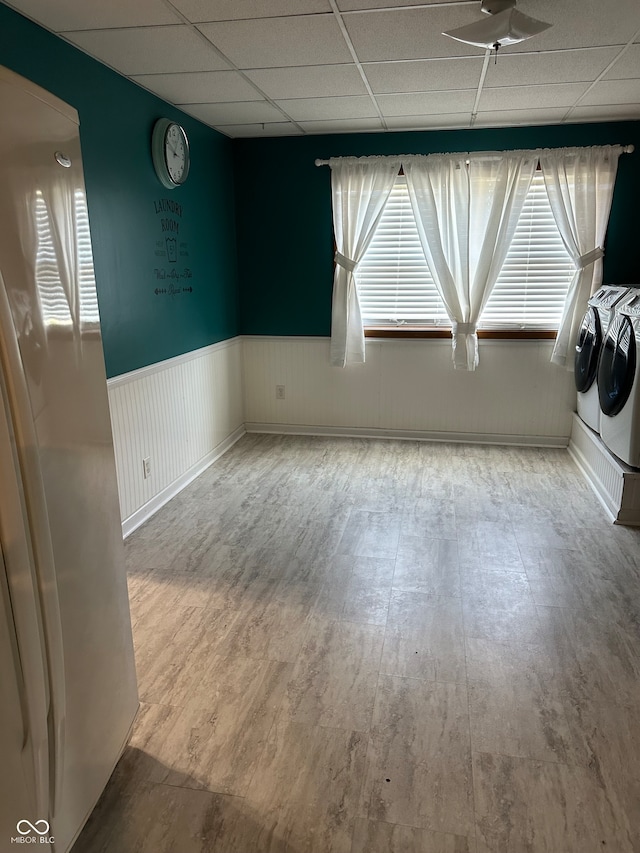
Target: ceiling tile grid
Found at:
618, 112
627, 66
534, 97
408, 33
245, 112
69, 15
197, 87
427, 103
435, 121
199, 11
562, 66
273, 128
309, 109
149, 50
496, 118
350, 125
613, 92
423, 75
310, 81
277, 42
292, 67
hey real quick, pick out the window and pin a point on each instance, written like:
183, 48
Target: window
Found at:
396, 288
55, 305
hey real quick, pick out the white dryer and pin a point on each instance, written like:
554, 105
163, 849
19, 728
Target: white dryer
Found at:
619, 382
588, 347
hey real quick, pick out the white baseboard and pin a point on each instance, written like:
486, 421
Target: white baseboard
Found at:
159, 500
410, 435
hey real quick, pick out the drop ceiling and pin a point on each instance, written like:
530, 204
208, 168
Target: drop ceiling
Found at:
293, 67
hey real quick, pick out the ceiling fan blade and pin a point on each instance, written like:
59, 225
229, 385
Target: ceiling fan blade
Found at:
507, 27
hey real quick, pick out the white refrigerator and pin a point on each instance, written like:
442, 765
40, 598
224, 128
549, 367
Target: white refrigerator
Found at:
68, 694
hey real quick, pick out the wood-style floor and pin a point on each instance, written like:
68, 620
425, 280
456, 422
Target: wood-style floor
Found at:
358, 646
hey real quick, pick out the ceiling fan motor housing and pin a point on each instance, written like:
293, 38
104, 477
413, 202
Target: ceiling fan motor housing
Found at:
492, 7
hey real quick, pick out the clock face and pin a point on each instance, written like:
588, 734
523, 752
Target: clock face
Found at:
170, 153
176, 153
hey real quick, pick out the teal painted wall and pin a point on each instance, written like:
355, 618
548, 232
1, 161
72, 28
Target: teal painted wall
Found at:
116, 120
285, 238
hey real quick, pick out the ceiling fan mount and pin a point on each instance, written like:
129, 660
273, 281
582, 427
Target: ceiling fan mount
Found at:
503, 25
492, 7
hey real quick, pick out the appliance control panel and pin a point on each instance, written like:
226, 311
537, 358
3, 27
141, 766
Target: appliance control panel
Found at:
631, 305
606, 297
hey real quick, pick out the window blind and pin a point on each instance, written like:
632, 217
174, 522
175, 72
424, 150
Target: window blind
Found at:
396, 288
393, 279
89, 313
531, 288
54, 301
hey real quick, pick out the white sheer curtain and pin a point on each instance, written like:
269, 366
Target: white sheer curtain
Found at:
579, 184
438, 186
466, 216
360, 188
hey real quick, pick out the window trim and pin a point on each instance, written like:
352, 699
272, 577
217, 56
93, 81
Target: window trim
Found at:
435, 332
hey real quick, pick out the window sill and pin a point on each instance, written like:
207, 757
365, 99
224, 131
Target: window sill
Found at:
426, 333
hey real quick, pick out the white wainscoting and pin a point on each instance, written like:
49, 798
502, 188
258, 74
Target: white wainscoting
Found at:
185, 412
182, 413
409, 389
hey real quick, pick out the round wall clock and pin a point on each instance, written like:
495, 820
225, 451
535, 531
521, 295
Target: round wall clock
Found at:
170, 152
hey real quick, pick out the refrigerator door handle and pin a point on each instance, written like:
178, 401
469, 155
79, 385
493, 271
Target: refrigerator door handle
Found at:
38, 519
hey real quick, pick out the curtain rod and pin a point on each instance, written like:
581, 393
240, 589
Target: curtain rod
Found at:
626, 149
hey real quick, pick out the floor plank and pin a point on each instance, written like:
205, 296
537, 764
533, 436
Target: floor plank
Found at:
352, 646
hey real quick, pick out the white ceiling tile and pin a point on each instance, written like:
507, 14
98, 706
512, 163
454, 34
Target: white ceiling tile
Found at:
613, 92
294, 51
563, 66
274, 128
408, 33
276, 42
235, 10
343, 125
511, 118
80, 15
423, 75
627, 66
351, 5
312, 81
425, 103
524, 97
311, 109
199, 87
580, 23
146, 50
247, 112
616, 112
434, 121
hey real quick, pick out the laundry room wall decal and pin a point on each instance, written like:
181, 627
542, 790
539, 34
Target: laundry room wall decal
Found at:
170, 278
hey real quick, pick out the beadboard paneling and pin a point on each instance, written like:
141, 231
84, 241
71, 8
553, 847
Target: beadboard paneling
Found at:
177, 413
184, 412
617, 485
411, 386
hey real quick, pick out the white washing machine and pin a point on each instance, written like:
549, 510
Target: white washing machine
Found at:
619, 382
594, 327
